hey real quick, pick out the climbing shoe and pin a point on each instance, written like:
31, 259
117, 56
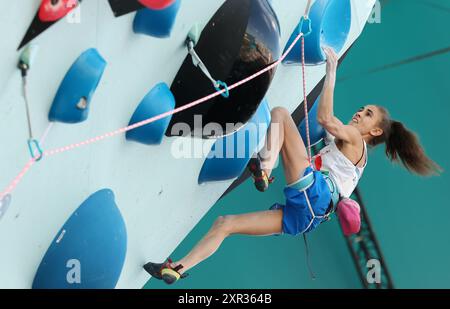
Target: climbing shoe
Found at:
164, 271
260, 178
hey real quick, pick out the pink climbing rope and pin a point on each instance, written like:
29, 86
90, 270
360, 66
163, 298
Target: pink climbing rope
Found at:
305, 103
11, 187
305, 96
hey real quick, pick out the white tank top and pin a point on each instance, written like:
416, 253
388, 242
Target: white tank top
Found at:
344, 173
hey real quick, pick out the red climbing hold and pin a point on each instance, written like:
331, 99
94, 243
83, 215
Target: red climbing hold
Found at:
53, 10
157, 4
318, 163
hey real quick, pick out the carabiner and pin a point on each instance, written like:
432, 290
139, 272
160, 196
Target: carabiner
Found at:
37, 147
219, 85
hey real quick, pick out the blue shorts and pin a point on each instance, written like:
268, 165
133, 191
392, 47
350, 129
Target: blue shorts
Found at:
307, 202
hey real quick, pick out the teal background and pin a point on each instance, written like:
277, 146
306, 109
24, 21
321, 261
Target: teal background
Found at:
390, 65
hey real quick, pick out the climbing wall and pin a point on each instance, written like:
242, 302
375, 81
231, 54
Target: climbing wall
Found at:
157, 194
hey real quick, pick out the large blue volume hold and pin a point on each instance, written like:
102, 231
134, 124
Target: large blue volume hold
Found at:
230, 155
158, 101
330, 22
156, 23
242, 38
72, 101
89, 250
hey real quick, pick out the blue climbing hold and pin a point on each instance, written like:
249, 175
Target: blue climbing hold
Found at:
158, 101
230, 155
156, 23
71, 103
316, 131
330, 21
89, 250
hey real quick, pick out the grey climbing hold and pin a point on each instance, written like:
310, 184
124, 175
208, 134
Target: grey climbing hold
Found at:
4, 205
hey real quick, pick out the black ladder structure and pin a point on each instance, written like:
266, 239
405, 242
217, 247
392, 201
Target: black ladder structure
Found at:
364, 247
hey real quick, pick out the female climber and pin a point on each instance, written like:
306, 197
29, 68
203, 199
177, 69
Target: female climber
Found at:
313, 189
